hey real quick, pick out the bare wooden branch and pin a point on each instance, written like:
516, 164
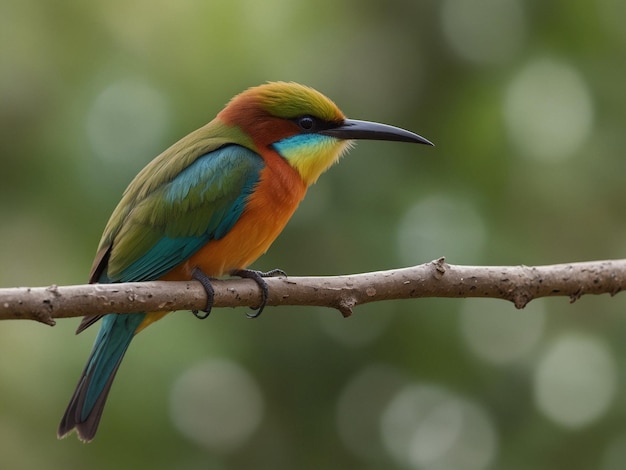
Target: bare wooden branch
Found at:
518, 284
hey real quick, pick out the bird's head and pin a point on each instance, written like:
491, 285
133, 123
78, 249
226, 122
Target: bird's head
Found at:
305, 127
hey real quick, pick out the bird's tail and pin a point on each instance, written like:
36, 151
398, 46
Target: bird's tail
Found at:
86, 405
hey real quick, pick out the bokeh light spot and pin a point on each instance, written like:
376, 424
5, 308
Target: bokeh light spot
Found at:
216, 404
441, 225
548, 110
497, 332
126, 121
484, 30
576, 380
427, 427
614, 456
360, 406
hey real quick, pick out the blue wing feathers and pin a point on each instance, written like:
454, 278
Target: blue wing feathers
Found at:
201, 204
166, 254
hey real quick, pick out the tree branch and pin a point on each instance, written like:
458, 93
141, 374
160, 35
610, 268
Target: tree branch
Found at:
518, 284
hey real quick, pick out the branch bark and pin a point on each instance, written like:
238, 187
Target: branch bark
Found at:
518, 284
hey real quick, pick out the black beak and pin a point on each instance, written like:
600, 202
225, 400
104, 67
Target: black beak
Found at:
351, 129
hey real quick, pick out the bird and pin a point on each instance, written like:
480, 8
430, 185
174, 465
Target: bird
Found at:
208, 207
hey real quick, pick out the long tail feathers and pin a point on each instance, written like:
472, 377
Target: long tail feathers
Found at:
85, 408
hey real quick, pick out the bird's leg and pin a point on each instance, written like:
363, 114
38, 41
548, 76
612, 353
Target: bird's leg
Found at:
205, 280
257, 276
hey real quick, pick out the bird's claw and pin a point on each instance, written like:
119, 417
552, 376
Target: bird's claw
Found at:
257, 276
205, 280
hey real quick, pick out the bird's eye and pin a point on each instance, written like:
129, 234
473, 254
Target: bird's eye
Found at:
306, 123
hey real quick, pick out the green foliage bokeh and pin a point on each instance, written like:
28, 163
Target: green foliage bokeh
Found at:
524, 101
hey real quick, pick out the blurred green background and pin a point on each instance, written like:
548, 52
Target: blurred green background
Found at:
525, 101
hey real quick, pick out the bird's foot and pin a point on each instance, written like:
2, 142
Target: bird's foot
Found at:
205, 280
257, 276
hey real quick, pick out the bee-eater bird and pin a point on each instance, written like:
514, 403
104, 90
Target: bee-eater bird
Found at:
209, 206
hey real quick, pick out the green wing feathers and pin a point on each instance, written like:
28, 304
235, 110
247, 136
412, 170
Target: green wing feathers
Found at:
190, 194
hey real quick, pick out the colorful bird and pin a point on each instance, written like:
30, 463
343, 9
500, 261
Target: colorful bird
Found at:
209, 206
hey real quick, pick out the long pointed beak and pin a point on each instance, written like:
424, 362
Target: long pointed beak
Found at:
354, 129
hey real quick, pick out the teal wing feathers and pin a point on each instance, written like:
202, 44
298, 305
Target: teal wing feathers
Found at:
172, 222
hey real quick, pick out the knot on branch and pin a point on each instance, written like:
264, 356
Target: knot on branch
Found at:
346, 306
526, 287
440, 267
